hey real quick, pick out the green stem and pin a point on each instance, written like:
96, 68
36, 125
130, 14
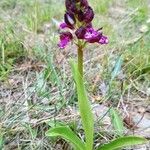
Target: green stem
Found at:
80, 60
3, 54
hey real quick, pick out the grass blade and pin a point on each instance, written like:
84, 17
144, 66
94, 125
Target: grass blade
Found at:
67, 134
117, 122
123, 142
1, 141
84, 107
117, 68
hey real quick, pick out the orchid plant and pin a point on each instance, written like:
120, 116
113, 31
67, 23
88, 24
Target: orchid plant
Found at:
77, 27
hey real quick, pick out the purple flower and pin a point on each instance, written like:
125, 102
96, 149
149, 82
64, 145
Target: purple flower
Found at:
91, 35
65, 38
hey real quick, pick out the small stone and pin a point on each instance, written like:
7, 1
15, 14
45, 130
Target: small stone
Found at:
141, 110
144, 28
148, 91
148, 21
100, 111
103, 88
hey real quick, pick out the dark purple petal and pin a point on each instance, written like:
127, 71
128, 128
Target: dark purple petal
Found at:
69, 19
71, 6
84, 3
80, 33
64, 25
103, 40
92, 36
65, 38
80, 15
88, 14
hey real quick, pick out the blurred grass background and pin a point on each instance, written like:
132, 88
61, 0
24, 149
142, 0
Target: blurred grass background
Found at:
35, 80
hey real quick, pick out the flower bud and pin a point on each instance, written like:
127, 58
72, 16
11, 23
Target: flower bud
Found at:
69, 19
88, 14
84, 3
71, 6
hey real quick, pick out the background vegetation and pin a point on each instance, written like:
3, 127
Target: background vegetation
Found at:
36, 86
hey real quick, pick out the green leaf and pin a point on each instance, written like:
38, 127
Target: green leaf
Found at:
117, 68
67, 134
117, 122
84, 107
123, 142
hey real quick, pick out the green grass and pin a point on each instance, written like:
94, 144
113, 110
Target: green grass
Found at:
35, 78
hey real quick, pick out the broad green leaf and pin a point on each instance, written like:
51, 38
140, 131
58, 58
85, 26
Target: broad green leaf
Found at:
117, 122
84, 107
117, 68
66, 133
123, 142
55, 123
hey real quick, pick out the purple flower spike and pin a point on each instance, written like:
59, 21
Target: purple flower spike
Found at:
78, 19
65, 38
